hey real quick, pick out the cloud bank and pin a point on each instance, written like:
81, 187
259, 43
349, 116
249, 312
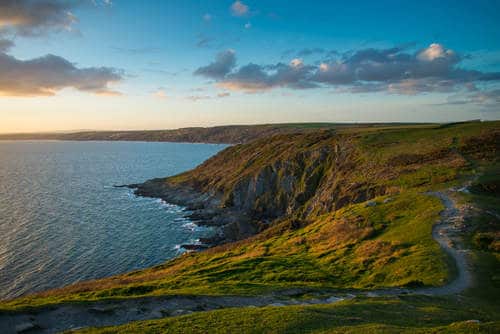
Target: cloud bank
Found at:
44, 76
5, 45
393, 70
484, 98
34, 18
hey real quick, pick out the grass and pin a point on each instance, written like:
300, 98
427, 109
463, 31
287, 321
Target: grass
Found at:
360, 246
377, 315
484, 234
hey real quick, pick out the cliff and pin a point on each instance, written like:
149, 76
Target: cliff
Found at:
299, 177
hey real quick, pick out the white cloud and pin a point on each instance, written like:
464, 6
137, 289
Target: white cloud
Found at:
435, 51
296, 62
323, 67
238, 8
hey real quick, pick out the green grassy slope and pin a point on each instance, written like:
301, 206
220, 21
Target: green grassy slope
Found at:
474, 311
228, 134
376, 315
356, 214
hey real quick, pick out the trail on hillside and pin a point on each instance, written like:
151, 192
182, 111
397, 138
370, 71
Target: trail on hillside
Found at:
58, 318
447, 234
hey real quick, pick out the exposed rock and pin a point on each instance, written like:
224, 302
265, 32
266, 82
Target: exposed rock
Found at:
26, 326
180, 312
159, 313
334, 299
194, 247
101, 309
473, 321
246, 188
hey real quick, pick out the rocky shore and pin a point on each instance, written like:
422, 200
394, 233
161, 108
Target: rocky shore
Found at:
204, 209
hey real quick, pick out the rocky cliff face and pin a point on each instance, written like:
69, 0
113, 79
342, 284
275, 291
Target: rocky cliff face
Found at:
246, 187
297, 177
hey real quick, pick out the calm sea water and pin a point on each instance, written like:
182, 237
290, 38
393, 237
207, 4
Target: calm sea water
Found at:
62, 221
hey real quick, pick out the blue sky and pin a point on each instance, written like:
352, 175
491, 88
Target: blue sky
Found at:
165, 64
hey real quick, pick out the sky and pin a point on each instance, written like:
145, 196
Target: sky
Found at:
128, 64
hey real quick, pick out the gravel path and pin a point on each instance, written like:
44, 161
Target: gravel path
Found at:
106, 313
447, 234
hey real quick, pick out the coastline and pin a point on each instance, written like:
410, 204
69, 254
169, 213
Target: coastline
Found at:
204, 209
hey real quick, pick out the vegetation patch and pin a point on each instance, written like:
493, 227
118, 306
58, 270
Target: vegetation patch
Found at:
377, 315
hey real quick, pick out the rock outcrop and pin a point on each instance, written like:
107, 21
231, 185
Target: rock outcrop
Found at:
245, 188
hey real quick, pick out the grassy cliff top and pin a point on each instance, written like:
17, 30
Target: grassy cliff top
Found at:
227, 134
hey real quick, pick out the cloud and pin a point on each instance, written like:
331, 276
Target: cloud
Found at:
238, 8
107, 3
483, 98
223, 64
254, 78
308, 52
248, 25
161, 94
5, 45
204, 41
207, 17
296, 62
435, 51
196, 98
393, 70
34, 18
44, 76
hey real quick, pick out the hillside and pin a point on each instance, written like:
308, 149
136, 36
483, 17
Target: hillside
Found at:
230, 134
327, 211
304, 175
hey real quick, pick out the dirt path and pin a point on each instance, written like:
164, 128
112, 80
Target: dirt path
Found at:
106, 313
447, 234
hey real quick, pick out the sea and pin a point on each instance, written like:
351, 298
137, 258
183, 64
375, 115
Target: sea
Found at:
62, 220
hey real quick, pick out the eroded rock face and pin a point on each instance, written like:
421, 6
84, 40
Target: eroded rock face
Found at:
245, 188
204, 209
